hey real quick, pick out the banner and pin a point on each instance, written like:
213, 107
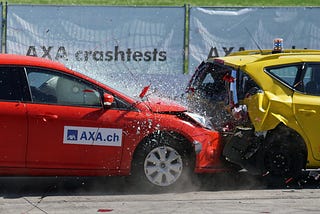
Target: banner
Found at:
122, 46
220, 31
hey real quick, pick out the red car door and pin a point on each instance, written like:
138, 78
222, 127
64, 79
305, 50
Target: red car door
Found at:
13, 118
68, 128
13, 132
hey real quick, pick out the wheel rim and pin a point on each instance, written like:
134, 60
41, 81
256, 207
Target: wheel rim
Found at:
278, 161
163, 166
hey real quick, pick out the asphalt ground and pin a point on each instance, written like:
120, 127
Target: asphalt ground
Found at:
223, 193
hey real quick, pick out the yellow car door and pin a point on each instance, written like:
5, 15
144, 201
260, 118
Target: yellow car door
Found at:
307, 108
307, 111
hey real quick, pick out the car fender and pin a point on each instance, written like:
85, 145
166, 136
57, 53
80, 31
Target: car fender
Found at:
262, 110
192, 136
266, 118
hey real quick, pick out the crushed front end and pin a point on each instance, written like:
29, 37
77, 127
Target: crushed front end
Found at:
214, 91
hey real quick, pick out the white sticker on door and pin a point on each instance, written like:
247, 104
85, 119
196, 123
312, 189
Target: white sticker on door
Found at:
92, 136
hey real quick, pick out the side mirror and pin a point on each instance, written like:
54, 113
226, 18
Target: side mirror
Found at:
107, 99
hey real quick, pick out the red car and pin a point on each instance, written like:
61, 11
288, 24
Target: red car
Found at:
57, 122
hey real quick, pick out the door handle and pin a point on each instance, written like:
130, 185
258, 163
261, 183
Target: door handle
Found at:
307, 111
44, 117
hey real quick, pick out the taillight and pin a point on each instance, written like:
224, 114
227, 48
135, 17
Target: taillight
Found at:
219, 61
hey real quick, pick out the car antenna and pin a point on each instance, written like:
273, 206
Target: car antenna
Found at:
254, 40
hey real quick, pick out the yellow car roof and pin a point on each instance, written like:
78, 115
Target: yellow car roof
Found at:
241, 58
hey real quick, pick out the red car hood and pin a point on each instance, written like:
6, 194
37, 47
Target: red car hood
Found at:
163, 105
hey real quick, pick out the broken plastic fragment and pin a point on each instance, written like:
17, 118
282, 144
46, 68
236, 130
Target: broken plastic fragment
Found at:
228, 78
104, 210
288, 180
144, 91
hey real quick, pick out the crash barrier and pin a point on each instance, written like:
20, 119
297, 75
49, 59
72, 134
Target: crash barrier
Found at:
131, 47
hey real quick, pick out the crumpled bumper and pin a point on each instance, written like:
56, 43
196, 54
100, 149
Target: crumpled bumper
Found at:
242, 149
208, 147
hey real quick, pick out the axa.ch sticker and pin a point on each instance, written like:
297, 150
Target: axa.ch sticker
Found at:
92, 136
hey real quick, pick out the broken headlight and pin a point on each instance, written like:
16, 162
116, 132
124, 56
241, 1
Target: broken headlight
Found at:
205, 122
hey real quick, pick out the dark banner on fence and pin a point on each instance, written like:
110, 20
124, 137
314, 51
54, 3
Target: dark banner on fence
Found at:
118, 44
219, 31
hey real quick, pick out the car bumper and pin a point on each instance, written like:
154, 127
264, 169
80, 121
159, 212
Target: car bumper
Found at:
208, 148
242, 149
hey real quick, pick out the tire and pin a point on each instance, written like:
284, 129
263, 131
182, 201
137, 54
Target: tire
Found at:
161, 162
284, 157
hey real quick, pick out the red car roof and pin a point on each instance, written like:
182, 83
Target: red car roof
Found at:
13, 59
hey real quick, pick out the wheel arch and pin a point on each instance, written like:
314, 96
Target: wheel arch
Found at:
185, 142
283, 130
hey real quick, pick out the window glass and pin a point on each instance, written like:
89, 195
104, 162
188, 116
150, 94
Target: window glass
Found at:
311, 79
121, 104
212, 84
246, 85
11, 84
286, 74
54, 87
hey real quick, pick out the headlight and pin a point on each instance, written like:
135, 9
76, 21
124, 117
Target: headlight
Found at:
200, 119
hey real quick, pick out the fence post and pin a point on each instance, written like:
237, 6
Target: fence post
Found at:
4, 28
186, 38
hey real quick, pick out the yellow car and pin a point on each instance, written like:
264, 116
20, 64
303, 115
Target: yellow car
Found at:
266, 106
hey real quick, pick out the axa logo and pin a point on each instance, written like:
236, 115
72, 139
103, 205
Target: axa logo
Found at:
72, 135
